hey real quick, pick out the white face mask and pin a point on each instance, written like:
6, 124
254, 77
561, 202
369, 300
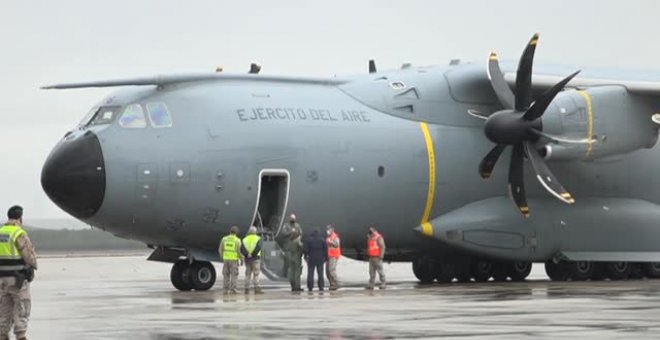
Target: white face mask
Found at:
328, 232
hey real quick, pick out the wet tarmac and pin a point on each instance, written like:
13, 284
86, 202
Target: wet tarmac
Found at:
126, 297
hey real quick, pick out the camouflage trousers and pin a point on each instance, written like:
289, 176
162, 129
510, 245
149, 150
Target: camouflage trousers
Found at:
376, 266
252, 271
229, 276
15, 308
331, 272
294, 270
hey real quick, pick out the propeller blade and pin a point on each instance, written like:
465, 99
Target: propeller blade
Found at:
541, 104
524, 76
501, 88
488, 163
516, 180
558, 139
545, 176
372, 66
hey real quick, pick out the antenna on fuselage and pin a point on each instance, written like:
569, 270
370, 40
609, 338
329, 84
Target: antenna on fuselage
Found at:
254, 68
372, 66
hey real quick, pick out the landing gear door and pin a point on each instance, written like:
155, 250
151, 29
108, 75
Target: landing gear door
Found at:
272, 200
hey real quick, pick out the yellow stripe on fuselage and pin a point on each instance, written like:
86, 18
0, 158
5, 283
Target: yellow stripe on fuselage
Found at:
426, 227
590, 119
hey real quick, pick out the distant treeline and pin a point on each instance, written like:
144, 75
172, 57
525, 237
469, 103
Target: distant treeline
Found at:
66, 240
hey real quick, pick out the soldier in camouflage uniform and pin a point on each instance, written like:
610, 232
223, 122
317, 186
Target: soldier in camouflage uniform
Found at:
293, 247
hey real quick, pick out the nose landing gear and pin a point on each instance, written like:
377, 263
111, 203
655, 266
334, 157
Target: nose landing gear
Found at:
198, 275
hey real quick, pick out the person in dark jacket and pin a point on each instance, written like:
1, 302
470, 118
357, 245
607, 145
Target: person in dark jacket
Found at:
315, 251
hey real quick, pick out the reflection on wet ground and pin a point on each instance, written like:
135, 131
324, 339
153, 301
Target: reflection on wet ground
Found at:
130, 298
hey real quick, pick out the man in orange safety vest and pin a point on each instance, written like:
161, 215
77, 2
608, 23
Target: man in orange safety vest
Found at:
334, 253
375, 253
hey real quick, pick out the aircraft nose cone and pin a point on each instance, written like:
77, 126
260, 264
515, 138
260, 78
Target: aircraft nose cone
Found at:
73, 176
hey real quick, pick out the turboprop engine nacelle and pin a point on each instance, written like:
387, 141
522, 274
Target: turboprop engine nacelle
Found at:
606, 115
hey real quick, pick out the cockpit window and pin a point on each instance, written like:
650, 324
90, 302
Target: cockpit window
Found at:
159, 115
104, 115
133, 117
88, 117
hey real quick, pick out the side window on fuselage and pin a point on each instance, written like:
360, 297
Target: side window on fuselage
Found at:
159, 115
133, 117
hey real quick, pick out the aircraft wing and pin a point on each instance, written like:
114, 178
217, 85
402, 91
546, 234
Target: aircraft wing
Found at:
188, 78
542, 82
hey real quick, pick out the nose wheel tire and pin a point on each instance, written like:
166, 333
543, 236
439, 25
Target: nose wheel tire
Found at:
180, 276
199, 275
202, 275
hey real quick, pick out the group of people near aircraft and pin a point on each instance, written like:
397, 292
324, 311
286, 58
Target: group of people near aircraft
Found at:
317, 250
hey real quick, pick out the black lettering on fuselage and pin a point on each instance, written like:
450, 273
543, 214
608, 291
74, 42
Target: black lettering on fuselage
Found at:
241, 115
363, 114
262, 114
271, 113
280, 113
289, 113
345, 116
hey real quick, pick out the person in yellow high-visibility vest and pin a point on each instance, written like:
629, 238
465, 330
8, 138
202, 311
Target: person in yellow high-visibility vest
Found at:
17, 264
231, 258
251, 251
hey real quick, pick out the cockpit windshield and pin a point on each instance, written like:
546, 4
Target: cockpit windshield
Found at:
101, 116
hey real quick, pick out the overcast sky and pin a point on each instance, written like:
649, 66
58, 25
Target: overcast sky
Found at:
47, 42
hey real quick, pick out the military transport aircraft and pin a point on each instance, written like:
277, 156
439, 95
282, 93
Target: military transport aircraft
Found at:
174, 161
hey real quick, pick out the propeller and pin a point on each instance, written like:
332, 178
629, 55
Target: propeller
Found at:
519, 125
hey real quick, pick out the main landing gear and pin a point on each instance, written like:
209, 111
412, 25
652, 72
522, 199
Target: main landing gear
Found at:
594, 271
197, 275
428, 269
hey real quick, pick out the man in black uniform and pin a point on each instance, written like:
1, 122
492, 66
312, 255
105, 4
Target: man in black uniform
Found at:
315, 251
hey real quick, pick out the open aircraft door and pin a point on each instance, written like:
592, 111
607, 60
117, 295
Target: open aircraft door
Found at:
272, 200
